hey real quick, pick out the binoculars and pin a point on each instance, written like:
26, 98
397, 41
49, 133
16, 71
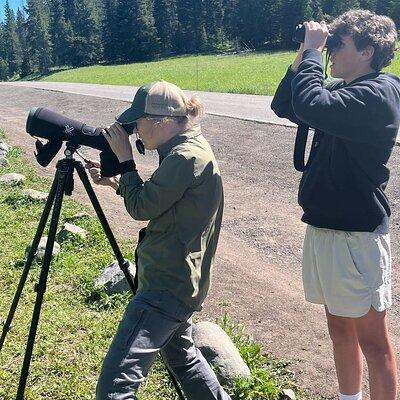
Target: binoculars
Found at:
332, 41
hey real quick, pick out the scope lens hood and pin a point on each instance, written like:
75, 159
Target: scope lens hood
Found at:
34, 111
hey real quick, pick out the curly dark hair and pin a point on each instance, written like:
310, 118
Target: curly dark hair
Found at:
369, 29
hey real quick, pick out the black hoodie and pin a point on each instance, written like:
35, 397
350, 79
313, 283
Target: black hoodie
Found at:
357, 124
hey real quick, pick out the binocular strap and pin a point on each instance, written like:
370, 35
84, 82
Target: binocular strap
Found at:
300, 147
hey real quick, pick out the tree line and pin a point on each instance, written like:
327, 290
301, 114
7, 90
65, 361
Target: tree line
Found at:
53, 33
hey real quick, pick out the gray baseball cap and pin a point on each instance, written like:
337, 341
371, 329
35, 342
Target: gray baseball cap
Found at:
155, 98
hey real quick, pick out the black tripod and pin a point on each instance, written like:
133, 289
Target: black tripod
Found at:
63, 184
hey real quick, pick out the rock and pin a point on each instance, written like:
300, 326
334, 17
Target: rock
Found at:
4, 147
70, 230
3, 162
12, 179
34, 195
114, 279
219, 350
289, 394
41, 249
79, 216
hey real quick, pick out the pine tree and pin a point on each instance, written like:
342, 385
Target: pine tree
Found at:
110, 33
87, 43
22, 34
316, 10
61, 34
395, 12
384, 7
230, 21
39, 44
4, 73
192, 36
294, 12
136, 31
166, 22
341, 6
13, 52
273, 16
368, 5
146, 40
214, 25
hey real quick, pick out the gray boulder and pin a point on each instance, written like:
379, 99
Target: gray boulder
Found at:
69, 231
41, 249
114, 279
3, 162
12, 179
34, 195
219, 350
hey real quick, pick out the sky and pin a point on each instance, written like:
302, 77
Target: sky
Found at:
14, 4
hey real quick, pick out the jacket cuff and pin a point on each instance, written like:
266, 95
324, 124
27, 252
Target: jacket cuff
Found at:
312, 55
290, 74
131, 178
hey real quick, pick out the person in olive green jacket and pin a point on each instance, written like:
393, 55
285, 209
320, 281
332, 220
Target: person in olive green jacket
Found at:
183, 201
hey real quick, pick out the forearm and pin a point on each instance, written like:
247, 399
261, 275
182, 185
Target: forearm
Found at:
299, 57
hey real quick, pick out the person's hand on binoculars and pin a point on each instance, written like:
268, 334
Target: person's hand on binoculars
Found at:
97, 178
316, 35
119, 142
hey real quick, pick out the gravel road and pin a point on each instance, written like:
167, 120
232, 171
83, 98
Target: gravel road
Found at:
257, 274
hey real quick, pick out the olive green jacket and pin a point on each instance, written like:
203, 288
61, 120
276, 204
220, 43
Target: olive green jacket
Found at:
183, 200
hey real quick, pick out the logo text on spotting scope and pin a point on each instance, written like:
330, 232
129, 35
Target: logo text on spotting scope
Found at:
68, 130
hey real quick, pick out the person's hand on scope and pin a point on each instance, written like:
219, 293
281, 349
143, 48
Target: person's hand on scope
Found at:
316, 35
119, 142
97, 178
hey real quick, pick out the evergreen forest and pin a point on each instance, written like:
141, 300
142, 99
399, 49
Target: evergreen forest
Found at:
48, 34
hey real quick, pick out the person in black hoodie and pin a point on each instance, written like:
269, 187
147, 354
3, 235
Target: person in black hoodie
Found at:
346, 256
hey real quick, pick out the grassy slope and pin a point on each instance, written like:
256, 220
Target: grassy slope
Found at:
252, 74
78, 321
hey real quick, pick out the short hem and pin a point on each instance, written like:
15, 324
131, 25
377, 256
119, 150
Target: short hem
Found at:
315, 301
347, 314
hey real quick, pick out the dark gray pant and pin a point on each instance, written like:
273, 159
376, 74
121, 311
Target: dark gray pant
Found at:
155, 320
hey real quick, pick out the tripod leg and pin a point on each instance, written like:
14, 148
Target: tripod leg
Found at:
64, 171
123, 263
29, 260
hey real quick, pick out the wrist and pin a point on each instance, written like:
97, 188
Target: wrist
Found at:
126, 157
114, 183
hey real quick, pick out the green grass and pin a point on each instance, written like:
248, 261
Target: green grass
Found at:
258, 73
253, 74
78, 320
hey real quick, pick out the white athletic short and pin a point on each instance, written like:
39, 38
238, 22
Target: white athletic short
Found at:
347, 271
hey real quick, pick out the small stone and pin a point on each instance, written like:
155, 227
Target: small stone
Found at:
79, 216
3, 162
114, 280
34, 195
4, 146
39, 255
70, 230
289, 394
12, 179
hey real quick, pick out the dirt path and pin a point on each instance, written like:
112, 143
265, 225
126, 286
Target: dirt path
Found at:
257, 275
